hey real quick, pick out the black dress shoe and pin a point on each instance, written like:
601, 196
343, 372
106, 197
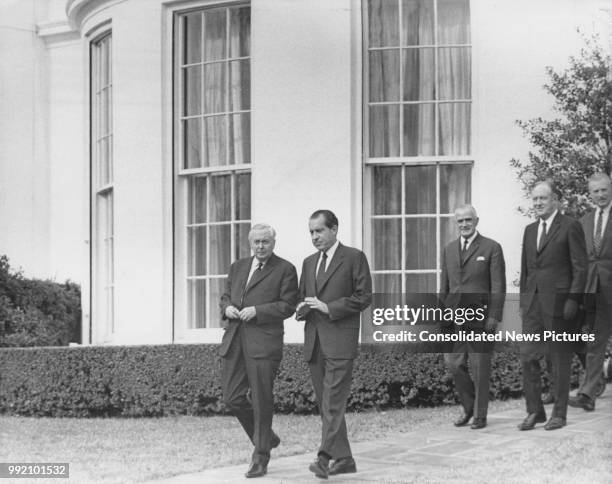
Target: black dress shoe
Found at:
274, 441
464, 419
582, 401
320, 468
257, 469
479, 423
346, 465
555, 423
548, 398
532, 419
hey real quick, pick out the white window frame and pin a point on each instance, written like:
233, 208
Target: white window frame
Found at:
406, 161
181, 179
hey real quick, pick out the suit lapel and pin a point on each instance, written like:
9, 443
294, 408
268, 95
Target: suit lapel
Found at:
471, 249
554, 228
259, 276
607, 232
311, 269
588, 229
333, 266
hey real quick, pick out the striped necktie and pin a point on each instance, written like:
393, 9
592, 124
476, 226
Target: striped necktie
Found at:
598, 234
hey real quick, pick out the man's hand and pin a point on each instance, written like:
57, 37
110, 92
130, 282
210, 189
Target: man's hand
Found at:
491, 325
247, 313
570, 309
232, 313
314, 303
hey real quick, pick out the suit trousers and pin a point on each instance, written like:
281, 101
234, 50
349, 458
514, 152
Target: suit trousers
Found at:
473, 390
331, 379
599, 319
240, 373
534, 321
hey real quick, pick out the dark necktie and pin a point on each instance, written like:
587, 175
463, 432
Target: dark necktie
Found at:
249, 280
321, 271
542, 236
597, 237
464, 250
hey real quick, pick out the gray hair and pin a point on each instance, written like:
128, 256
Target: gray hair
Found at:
262, 227
551, 186
599, 176
466, 206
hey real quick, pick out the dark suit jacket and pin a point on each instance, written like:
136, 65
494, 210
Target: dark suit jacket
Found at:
600, 265
273, 291
478, 281
347, 290
558, 271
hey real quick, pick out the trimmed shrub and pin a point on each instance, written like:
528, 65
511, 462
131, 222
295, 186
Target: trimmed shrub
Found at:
153, 381
34, 312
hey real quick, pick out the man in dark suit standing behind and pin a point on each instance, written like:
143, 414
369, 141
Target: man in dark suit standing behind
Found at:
473, 276
261, 293
553, 275
335, 286
598, 292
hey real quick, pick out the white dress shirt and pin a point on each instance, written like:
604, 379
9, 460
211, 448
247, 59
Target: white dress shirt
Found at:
606, 215
330, 254
549, 222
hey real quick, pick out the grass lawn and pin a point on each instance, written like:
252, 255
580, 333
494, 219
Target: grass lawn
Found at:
132, 450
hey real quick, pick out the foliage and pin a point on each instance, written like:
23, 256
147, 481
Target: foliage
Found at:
164, 380
578, 143
34, 312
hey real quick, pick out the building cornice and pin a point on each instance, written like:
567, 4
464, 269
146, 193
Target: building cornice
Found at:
78, 11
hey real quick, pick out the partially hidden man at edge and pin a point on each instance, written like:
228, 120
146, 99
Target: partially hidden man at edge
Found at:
553, 275
261, 293
335, 286
473, 276
598, 291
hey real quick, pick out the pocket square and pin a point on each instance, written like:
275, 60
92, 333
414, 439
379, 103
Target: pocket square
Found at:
480, 258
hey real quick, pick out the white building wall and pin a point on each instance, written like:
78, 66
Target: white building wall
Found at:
306, 135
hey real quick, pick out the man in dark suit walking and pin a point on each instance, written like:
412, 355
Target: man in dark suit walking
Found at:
553, 275
598, 292
261, 293
335, 286
473, 276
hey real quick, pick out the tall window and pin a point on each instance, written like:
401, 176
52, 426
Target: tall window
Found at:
213, 155
418, 135
103, 278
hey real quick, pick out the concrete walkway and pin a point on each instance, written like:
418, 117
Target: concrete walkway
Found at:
416, 453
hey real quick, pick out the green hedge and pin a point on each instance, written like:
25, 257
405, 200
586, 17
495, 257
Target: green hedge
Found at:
144, 381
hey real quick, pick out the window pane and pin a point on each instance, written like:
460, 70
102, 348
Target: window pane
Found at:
240, 139
240, 32
387, 190
243, 196
192, 27
105, 57
454, 73
417, 22
215, 138
243, 249
217, 288
104, 175
197, 251
384, 25
420, 190
454, 129
384, 131
192, 138
453, 22
448, 232
192, 86
384, 75
220, 249
455, 186
387, 283
220, 198
214, 88
420, 243
421, 283
196, 295
419, 134
386, 239
240, 85
419, 74
104, 128
214, 34
197, 200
